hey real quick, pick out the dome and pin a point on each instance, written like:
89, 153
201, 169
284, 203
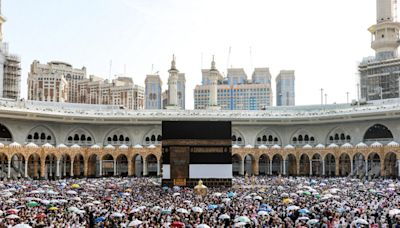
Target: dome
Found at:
361, 145
235, 146
248, 146
138, 146
262, 146
47, 145
307, 146
61, 146
75, 146
14, 145
95, 146
320, 146
276, 146
1, 145
123, 147
347, 145
31, 145
109, 147
289, 147
376, 144
151, 146
333, 145
393, 144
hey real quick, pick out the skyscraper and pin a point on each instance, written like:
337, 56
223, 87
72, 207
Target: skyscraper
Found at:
10, 68
285, 89
235, 92
153, 91
379, 75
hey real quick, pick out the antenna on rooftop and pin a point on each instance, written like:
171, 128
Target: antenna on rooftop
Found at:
109, 73
229, 57
251, 59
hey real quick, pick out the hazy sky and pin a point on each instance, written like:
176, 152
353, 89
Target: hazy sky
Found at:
322, 40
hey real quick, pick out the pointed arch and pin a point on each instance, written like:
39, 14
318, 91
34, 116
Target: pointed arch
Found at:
80, 136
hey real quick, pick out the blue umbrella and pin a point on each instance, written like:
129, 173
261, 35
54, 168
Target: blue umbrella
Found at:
165, 188
230, 194
304, 211
212, 207
267, 209
99, 219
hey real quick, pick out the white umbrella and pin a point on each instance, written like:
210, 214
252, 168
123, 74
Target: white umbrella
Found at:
197, 210
77, 198
12, 217
135, 223
242, 219
224, 216
176, 194
96, 202
226, 200
361, 221
262, 213
257, 198
45, 202
73, 209
89, 205
312, 221
303, 218
202, 226
284, 195
22, 226
182, 210
293, 208
72, 192
118, 215
394, 212
217, 194
156, 208
240, 224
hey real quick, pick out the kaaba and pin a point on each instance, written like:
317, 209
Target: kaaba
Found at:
196, 150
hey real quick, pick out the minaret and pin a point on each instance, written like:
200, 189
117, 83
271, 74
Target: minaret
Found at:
172, 85
2, 20
213, 87
385, 33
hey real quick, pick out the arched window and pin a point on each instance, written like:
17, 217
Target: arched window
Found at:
29, 136
378, 132
49, 138
342, 137
233, 137
69, 138
239, 139
115, 138
336, 137
4, 132
36, 136
348, 138
294, 139
153, 138
276, 139
159, 138
121, 138
126, 139
306, 138
270, 138
300, 138
147, 139
258, 139
264, 138
89, 139
76, 137
331, 138
83, 138
109, 139
42, 136
312, 139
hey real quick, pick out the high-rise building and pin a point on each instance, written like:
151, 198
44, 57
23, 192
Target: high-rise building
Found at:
153, 92
10, 68
285, 89
235, 92
120, 91
55, 81
181, 89
379, 75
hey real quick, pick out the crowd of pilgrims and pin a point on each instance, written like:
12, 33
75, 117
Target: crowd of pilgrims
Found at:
250, 202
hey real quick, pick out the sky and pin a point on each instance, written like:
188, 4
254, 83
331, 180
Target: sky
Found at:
322, 40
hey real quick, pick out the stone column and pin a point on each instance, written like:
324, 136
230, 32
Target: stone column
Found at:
284, 167
26, 168
241, 170
337, 167
58, 169
323, 167
42, 174
65, 168
72, 168
100, 167
255, 167
9, 169
398, 168
158, 167
366, 167
270, 167
85, 167
351, 167
310, 167
297, 167
130, 167
145, 171
115, 167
